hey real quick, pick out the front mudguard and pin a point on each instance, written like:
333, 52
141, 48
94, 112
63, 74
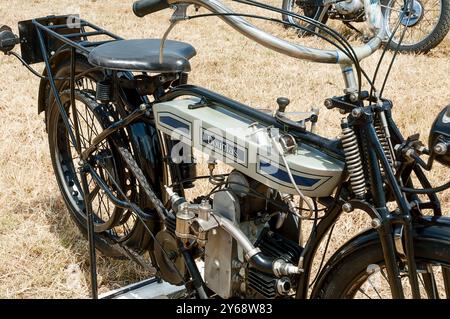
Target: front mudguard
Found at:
435, 229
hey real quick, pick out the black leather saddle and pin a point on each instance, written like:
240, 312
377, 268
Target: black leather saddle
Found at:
143, 56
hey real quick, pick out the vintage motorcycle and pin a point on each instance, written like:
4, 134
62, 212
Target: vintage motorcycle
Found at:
123, 125
428, 22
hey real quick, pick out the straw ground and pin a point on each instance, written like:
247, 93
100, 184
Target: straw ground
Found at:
42, 254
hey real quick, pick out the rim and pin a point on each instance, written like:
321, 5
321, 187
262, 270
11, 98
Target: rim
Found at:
294, 8
107, 217
420, 23
373, 283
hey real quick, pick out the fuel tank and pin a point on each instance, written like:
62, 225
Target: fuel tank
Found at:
244, 144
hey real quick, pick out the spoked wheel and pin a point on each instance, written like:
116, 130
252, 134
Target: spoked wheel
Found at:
362, 275
427, 23
310, 11
92, 118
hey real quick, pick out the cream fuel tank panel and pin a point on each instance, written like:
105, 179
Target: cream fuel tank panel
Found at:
245, 145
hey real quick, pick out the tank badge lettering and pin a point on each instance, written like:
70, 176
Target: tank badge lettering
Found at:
228, 149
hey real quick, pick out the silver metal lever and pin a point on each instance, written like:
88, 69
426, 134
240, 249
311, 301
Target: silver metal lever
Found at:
179, 15
301, 122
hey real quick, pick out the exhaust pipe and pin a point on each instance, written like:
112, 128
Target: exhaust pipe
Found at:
259, 261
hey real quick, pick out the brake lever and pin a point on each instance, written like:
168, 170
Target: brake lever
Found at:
311, 116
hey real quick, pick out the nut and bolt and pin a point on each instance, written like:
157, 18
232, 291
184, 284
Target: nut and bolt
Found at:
347, 208
353, 97
356, 113
328, 104
376, 223
441, 148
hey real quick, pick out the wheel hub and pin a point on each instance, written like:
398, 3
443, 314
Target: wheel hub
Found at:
412, 17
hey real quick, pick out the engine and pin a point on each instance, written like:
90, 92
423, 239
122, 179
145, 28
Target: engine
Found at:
227, 272
248, 241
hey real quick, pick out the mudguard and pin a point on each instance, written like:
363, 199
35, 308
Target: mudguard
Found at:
427, 228
55, 61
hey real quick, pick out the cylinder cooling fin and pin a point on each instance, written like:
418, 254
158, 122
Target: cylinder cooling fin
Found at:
274, 245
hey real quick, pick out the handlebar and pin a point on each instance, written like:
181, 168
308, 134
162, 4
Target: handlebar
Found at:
373, 13
144, 7
8, 39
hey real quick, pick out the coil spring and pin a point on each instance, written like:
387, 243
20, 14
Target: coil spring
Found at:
353, 160
104, 91
384, 142
183, 78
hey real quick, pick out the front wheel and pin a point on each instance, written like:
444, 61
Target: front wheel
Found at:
362, 274
426, 24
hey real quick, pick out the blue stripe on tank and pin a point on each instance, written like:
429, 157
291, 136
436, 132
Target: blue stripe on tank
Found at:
283, 176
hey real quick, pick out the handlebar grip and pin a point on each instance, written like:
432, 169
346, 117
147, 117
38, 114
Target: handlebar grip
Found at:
8, 39
143, 7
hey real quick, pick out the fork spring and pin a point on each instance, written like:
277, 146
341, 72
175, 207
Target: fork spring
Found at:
353, 160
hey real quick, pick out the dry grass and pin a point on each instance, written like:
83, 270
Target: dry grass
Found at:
43, 255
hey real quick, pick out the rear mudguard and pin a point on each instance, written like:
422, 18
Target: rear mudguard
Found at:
55, 61
426, 228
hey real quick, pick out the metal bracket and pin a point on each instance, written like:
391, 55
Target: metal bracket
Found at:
398, 241
207, 225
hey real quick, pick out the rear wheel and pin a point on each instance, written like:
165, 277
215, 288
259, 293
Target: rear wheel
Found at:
111, 223
362, 275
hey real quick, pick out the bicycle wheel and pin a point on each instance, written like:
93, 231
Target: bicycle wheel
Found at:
305, 9
110, 221
426, 25
362, 275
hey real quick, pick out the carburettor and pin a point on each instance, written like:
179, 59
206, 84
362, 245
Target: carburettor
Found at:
189, 222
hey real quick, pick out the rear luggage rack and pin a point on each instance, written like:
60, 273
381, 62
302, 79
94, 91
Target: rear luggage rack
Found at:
55, 32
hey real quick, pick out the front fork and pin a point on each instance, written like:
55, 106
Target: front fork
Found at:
387, 222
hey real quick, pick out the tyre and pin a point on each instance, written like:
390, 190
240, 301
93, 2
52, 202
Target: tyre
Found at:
426, 26
309, 11
111, 224
362, 274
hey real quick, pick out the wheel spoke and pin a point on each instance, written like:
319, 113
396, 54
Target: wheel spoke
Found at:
429, 283
364, 293
446, 277
374, 288
94, 192
102, 203
81, 138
